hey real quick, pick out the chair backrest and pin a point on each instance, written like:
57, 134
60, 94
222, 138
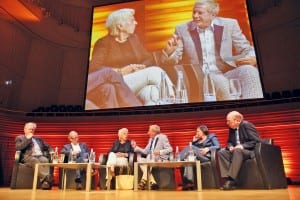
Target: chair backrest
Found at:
267, 141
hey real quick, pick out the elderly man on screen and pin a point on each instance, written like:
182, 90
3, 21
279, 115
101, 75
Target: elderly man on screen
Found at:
159, 146
208, 42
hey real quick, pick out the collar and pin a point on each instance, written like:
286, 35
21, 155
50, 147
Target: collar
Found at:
193, 26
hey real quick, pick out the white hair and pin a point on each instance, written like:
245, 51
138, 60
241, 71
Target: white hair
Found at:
122, 131
118, 17
30, 123
212, 6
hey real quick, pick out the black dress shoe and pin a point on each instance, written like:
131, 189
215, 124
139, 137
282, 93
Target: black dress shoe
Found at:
154, 186
188, 186
142, 185
45, 185
229, 185
78, 186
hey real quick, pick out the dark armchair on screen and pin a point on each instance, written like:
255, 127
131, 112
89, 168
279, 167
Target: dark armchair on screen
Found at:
118, 170
265, 170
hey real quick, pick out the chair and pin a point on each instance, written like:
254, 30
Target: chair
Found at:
265, 170
118, 170
22, 175
192, 77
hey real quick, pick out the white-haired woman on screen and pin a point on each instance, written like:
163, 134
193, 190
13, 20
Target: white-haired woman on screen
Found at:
122, 51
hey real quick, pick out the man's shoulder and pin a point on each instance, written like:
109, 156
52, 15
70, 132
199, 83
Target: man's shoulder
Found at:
224, 21
162, 135
184, 26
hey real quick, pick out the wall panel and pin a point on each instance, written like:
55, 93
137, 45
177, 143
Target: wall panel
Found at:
99, 132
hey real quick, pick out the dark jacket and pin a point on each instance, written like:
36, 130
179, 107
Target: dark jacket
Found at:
25, 146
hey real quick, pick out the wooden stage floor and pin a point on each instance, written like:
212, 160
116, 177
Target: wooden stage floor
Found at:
291, 193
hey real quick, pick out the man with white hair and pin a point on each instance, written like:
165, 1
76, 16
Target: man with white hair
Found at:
33, 150
241, 142
159, 146
207, 43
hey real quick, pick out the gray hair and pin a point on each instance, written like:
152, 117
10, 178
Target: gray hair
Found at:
122, 131
236, 115
72, 133
212, 6
30, 123
155, 128
116, 18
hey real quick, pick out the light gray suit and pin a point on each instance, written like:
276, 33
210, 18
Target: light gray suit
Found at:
160, 143
228, 38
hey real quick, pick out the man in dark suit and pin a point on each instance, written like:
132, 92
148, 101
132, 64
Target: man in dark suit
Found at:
159, 147
32, 151
241, 142
79, 152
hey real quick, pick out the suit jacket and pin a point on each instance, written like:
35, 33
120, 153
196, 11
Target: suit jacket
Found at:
161, 144
228, 37
25, 146
68, 147
210, 142
116, 144
248, 136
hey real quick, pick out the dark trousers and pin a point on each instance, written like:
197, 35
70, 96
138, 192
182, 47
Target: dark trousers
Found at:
231, 162
107, 89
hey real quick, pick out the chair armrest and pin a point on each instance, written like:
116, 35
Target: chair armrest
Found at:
130, 159
17, 157
270, 164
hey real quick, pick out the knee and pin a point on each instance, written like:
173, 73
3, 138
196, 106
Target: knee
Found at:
248, 69
107, 87
221, 152
237, 151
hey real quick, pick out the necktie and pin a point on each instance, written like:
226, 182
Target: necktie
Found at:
151, 144
237, 136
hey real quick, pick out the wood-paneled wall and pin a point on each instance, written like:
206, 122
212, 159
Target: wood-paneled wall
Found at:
283, 125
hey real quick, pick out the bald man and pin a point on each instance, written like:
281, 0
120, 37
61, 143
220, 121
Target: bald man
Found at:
160, 146
241, 142
79, 151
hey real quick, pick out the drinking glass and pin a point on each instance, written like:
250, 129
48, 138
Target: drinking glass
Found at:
92, 157
235, 89
154, 94
61, 158
86, 157
209, 88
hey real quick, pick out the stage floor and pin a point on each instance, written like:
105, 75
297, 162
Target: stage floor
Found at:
291, 193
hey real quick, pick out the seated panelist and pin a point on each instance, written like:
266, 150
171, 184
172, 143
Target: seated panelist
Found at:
118, 154
32, 151
159, 147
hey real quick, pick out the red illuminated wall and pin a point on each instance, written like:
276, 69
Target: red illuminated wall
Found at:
100, 131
